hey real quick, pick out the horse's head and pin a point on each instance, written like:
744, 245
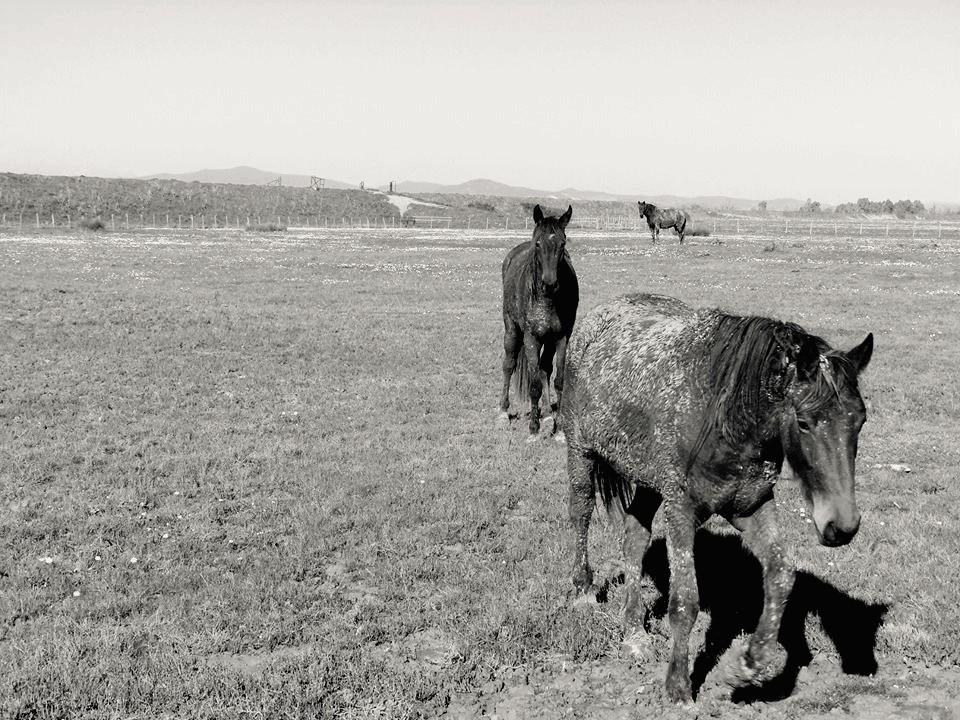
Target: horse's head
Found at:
643, 208
820, 431
549, 239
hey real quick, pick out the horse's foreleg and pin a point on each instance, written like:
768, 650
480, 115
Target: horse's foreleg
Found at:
684, 597
511, 346
636, 540
560, 363
761, 537
547, 356
582, 502
531, 346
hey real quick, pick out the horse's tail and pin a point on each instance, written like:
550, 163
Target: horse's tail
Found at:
614, 489
682, 218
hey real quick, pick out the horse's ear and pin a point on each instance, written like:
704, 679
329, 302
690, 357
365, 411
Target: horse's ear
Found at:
565, 218
860, 355
537, 214
808, 358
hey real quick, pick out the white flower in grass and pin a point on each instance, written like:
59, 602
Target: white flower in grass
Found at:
133, 561
76, 593
96, 557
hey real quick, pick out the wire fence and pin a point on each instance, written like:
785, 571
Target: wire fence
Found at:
723, 226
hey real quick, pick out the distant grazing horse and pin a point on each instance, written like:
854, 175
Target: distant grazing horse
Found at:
540, 298
663, 218
696, 411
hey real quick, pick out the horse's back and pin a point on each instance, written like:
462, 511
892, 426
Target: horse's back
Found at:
627, 370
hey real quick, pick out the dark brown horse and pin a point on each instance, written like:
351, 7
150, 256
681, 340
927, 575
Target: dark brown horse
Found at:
540, 298
695, 411
663, 218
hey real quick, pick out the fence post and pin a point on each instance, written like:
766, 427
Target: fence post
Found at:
888, 228
738, 226
53, 220
113, 222
811, 229
861, 229
939, 226
192, 224
506, 223
38, 219
914, 228
127, 216
488, 222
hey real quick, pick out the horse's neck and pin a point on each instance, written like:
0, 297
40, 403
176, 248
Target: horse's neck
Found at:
536, 274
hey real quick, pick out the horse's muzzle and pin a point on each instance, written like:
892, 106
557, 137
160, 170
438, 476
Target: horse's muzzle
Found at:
833, 535
549, 288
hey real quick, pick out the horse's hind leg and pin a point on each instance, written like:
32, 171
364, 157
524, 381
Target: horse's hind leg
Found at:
511, 346
636, 540
581, 504
761, 536
684, 597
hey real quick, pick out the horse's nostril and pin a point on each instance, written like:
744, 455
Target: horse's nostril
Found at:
830, 533
834, 535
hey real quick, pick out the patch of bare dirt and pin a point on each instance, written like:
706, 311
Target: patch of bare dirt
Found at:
620, 689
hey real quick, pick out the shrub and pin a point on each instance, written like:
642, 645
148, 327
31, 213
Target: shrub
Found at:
485, 206
92, 223
698, 231
267, 227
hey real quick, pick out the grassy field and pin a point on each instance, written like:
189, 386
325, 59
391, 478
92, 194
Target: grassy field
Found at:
259, 475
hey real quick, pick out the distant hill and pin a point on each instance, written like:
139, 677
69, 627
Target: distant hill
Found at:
482, 186
245, 175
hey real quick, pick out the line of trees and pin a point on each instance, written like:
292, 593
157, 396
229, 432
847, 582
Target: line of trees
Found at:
900, 208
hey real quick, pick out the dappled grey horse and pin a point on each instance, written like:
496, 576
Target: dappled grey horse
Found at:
663, 218
695, 412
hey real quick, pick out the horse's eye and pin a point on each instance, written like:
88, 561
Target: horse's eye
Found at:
803, 425
537, 243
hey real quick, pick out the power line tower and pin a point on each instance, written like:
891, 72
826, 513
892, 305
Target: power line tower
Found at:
318, 183
276, 183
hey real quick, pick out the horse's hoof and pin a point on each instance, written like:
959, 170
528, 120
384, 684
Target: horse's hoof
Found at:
639, 645
533, 437
737, 672
587, 599
503, 417
560, 438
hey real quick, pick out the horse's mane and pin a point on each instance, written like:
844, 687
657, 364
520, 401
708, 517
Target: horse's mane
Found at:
750, 365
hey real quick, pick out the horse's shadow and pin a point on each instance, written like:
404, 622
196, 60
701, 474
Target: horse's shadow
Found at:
731, 589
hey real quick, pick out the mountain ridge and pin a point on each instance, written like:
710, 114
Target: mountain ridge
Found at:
247, 175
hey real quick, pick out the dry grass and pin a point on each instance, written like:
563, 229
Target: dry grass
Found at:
294, 437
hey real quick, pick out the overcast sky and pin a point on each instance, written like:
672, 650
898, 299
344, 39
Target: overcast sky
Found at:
829, 100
